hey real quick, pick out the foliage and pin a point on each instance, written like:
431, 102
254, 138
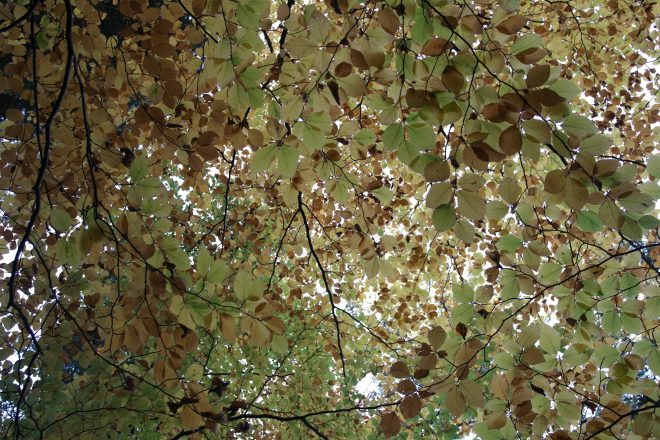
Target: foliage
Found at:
347, 219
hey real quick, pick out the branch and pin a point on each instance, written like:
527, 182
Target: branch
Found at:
623, 416
224, 215
36, 207
326, 284
196, 20
313, 414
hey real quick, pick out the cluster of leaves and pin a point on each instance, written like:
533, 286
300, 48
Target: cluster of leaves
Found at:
234, 218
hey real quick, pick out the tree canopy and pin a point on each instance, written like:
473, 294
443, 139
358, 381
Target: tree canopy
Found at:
334, 219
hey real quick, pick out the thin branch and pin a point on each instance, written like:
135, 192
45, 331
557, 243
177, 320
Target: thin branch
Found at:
326, 283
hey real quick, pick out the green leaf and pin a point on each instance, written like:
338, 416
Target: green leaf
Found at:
440, 194
43, 42
526, 42
60, 219
549, 273
393, 137
550, 341
653, 166
204, 260
287, 161
589, 221
509, 243
365, 137
444, 218
565, 88
648, 222
471, 205
596, 144
421, 135
263, 158
246, 286
579, 126
218, 272
139, 169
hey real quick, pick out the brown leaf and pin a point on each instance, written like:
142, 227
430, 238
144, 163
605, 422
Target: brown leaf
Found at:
538, 75
523, 409
190, 418
428, 361
499, 386
410, 406
418, 98
399, 370
473, 24
389, 21
510, 141
406, 386
495, 112
455, 401
496, 420
358, 60
533, 356
547, 97
532, 55
435, 46
343, 69
453, 79
511, 25
390, 424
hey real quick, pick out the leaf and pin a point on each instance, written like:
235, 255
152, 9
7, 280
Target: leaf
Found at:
390, 424
421, 135
60, 219
589, 221
499, 386
550, 341
579, 126
204, 261
453, 79
510, 141
190, 418
455, 401
471, 205
444, 218
411, 406
653, 166
511, 25
138, 169
532, 356
263, 158
565, 88
287, 160
538, 75
439, 194
529, 335
526, 42
393, 137
246, 286
437, 337
399, 370
435, 46
218, 271
436, 171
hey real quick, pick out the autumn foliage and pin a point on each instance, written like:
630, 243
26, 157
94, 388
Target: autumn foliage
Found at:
341, 218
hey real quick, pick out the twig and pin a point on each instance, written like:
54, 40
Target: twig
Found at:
326, 284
